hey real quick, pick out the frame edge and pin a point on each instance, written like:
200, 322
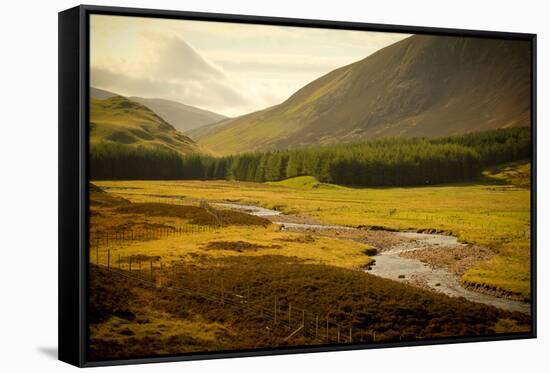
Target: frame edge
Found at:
69, 244
72, 176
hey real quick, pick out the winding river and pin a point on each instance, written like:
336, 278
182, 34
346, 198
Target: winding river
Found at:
390, 264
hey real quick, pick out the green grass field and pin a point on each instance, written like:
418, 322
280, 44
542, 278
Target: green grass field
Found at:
493, 212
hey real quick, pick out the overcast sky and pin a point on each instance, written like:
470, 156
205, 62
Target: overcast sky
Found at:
228, 68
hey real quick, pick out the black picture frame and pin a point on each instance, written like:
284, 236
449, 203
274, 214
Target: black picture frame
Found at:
74, 175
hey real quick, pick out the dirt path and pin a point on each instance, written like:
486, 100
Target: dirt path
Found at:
393, 260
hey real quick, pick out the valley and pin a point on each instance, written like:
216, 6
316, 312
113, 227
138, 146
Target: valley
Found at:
223, 276
385, 199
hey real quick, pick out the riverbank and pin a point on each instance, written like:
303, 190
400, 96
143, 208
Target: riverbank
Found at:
410, 257
211, 286
488, 213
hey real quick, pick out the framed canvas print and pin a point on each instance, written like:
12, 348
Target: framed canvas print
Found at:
239, 186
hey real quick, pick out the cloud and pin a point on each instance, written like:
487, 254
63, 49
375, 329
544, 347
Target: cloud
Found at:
173, 58
229, 68
168, 67
278, 62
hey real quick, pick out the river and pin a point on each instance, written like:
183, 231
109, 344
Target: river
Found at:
390, 264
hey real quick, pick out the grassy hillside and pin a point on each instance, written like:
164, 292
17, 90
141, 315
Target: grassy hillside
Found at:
182, 117
516, 173
101, 94
126, 123
303, 182
420, 86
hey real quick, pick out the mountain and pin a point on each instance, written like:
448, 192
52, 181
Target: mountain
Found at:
181, 116
122, 121
420, 86
100, 94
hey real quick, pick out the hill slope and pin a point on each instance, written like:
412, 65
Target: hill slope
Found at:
122, 121
101, 94
182, 117
421, 86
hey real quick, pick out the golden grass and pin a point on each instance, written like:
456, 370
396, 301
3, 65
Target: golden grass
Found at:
195, 248
485, 213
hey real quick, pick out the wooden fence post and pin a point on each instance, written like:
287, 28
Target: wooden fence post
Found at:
316, 326
130, 263
350, 340
222, 292
151, 269
97, 255
261, 304
304, 322
109, 259
289, 313
275, 310
326, 330
119, 261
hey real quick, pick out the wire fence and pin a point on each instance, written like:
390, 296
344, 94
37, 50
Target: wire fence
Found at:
292, 320
99, 239
493, 226
315, 327
492, 230
172, 199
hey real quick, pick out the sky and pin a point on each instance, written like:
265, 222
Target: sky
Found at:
228, 68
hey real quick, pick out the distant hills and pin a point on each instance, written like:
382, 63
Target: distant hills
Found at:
119, 120
182, 117
420, 86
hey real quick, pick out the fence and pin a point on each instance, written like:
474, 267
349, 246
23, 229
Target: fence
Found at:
295, 321
98, 239
492, 229
316, 327
212, 211
159, 198
432, 220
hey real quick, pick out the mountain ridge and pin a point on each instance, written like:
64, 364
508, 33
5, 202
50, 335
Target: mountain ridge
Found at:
183, 117
421, 86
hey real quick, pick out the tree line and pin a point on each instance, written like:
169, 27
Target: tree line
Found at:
384, 162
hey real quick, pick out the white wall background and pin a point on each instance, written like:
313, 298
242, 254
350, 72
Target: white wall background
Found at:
28, 184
